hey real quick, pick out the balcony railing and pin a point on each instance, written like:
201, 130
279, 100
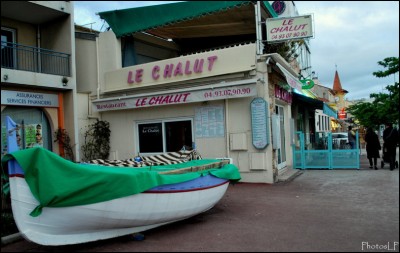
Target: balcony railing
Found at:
34, 59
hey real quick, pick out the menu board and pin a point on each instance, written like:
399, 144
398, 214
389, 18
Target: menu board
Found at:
209, 122
259, 123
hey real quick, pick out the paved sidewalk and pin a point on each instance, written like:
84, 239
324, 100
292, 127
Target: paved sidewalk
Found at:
317, 211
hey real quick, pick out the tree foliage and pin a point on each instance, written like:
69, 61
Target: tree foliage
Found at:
385, 106
97, 141
62, 136
392, 65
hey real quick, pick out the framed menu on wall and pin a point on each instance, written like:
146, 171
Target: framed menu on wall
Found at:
259, 123
209, 122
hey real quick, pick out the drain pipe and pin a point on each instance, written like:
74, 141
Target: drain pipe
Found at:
259, 45
227, 127
98, 68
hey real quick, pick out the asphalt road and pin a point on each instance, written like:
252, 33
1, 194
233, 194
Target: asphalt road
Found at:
318, 211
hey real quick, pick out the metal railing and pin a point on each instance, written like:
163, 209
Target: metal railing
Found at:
34, 59
325, 153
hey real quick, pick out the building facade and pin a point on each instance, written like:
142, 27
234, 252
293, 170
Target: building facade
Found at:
208, 101
202, 77
38, 82
167, 84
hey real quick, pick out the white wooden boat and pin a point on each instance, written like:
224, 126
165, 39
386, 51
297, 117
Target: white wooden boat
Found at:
74, 224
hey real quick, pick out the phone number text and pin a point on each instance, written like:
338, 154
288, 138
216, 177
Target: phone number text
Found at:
227, 92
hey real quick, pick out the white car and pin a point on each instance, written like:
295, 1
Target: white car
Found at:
340, 140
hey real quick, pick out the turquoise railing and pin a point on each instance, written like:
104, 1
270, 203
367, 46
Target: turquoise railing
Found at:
323, 153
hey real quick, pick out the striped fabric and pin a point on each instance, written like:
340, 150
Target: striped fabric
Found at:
163, 159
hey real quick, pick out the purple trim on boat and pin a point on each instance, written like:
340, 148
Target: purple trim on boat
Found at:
203, 182
14, 169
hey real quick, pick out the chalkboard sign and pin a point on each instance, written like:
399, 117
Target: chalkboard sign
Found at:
259, 123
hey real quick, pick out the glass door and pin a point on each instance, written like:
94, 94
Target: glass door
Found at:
8, 57
33, 128
281, 151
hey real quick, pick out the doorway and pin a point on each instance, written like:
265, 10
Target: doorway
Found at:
281, 154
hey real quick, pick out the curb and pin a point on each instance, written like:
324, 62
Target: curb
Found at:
11, 238
289, 175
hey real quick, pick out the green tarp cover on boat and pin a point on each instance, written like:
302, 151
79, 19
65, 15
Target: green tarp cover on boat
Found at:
57, 182
127, 21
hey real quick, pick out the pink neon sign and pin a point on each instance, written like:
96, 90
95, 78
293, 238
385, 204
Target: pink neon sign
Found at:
171, 70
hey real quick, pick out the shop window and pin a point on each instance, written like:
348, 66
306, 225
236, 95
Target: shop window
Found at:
150, 138
164, 136
33, 128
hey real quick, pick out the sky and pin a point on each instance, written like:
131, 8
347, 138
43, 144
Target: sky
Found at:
349, 36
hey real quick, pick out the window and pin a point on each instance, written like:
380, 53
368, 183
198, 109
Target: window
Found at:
150, 138
322, 122
34, 127
143, 48
300, 121
164, 136
7, 48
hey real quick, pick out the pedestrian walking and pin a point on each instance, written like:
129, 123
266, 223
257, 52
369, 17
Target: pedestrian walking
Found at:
390, 141
351, 137
373, 147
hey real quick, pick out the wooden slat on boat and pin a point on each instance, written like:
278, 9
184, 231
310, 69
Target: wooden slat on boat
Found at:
215, 165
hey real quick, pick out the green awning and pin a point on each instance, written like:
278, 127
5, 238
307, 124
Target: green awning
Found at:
310, 102
128, 21
315, 104
330, 111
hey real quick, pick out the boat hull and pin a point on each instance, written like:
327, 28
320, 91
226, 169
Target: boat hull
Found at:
138, 210
117, 217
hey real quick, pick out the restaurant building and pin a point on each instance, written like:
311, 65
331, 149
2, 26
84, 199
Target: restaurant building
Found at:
200, 78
